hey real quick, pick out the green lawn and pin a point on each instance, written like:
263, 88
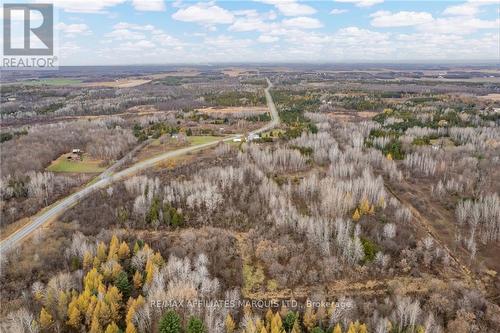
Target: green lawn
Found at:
62, 164
198, 140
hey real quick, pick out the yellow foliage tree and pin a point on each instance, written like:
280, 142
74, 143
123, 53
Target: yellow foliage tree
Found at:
130, 328
149, 272
101, 252
230, 324
133, 305
45, 319
92, 281
158, 259
74, 315
309, 319
123, 251
363, 329
372, 210
62, 304
111, 272
89, 313
269, 317
103, 313
389, 156
88, 260
114, 245
364, 206
259, 324
250, 328
337, 329
352, 328
113, 298
112, 328
95, 327
276, 324
96, 263
137, 279
136, 247
356, 216
296, 327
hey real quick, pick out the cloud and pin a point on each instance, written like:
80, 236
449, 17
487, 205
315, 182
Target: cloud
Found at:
291, 7
251, 20
133, 26
337, 11
72, 30
204, 14
466, 9
125, 34
302, 22
227, 42
386, 19
458, 25
137, 46
362, 3
161, 37
85, 6
470, 8
149, 5
267, 39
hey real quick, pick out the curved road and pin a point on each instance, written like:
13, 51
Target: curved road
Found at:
107, 178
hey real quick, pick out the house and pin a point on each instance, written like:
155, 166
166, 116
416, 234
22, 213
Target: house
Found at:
76, 154
253, 136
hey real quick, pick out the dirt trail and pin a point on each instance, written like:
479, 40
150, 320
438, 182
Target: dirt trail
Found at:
467, 274
401, 284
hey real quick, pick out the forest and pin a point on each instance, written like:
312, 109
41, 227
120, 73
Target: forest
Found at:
371, 207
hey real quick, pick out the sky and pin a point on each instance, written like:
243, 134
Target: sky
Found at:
120, 32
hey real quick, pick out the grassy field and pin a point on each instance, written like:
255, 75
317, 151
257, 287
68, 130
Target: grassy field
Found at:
62, 164
198, 140
51, 82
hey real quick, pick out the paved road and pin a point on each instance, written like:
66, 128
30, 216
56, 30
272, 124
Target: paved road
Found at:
275, 119
108, 178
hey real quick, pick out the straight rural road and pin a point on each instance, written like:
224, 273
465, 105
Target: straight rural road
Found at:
107, 178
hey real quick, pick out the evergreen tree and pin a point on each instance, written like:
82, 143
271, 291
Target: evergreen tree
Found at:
177, 219
154, 211
170, 323
122, 283
288, 321
195, 325
317, 330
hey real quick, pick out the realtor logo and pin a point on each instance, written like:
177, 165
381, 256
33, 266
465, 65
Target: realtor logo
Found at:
28, 37
37, 25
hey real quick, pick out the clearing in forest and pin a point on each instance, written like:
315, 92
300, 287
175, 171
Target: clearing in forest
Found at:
67, 163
